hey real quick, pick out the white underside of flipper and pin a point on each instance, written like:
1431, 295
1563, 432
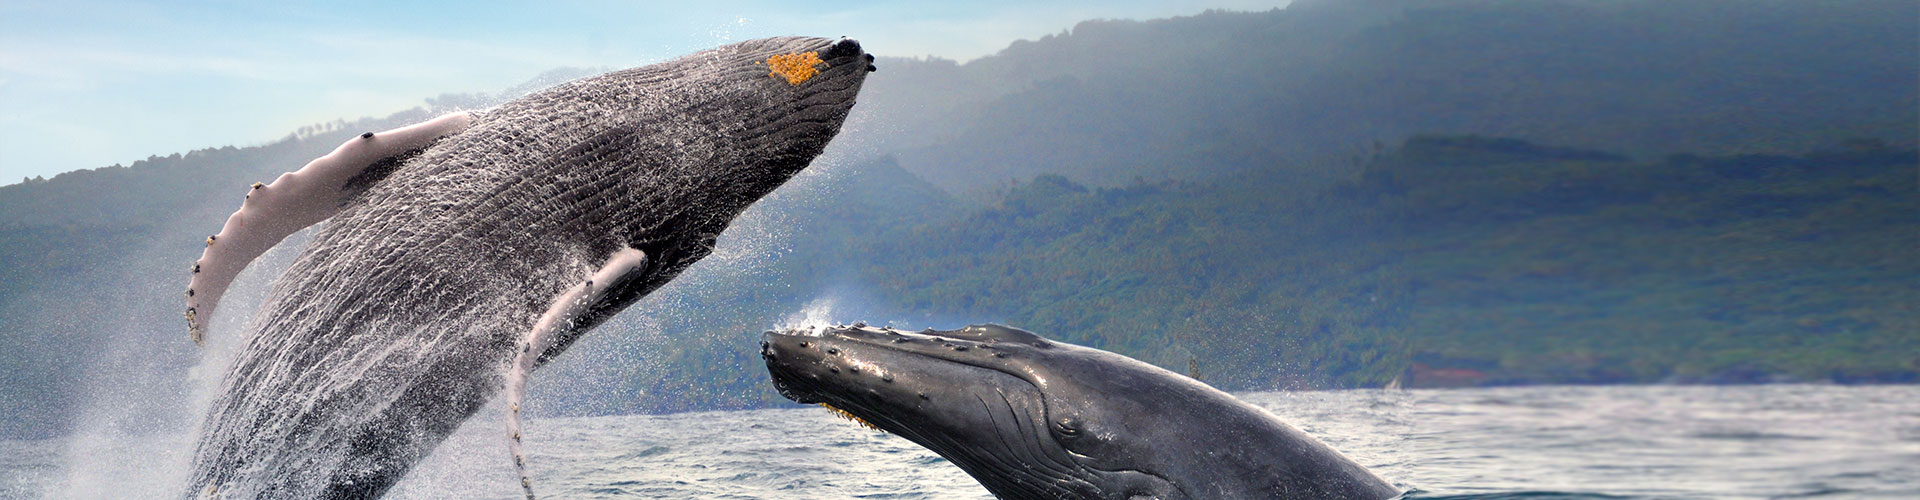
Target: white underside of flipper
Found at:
623, 265
294, 201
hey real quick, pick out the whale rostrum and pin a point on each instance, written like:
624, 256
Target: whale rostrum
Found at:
460, 253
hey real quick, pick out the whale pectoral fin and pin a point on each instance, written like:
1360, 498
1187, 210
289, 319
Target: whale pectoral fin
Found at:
625, 265
299, 199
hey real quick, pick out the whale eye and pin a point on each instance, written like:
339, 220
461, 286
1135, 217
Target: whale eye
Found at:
1068, 427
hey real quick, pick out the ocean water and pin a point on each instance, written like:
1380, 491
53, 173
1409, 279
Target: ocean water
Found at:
1775, 441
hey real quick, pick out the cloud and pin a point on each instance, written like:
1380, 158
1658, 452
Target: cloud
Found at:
56, 62
230, 74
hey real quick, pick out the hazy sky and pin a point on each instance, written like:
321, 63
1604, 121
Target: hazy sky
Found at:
86, 84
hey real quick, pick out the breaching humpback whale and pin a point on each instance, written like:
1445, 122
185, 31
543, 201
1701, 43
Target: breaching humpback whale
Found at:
1035, 419
476, 245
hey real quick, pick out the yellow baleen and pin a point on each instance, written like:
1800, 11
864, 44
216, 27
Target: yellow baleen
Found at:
849, 416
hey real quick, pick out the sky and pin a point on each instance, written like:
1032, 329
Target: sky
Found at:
87, 84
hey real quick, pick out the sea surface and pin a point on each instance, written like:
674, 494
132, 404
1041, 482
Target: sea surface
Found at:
1773, 441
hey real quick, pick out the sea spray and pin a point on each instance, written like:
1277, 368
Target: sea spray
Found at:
817, 314
624, 265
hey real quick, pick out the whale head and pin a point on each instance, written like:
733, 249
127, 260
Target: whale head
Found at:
726, 125
788, 96
1033, 418
660, 158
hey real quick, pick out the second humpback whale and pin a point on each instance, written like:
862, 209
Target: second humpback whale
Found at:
1036, 419
460, 252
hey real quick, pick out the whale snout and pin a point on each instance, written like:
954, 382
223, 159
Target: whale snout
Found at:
847, 51
844, 48
790, 359
838, 363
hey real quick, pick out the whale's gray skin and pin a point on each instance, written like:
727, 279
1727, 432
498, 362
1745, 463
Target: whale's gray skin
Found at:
1035, 419
399, 318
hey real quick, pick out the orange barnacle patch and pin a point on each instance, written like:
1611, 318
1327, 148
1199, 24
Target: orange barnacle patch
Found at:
795, 68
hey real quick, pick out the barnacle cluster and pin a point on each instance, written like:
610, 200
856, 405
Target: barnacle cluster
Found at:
795, 68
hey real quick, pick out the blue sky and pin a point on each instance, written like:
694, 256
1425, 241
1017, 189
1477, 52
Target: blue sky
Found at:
86, 84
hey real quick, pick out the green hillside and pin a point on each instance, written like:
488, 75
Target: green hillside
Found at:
1315, 83
1544, 266
1446, 261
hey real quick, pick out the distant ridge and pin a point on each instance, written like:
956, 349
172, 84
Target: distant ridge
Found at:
1321, 81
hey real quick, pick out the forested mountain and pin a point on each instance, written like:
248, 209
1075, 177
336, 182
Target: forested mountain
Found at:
1444, 261
93, 262
1529, 264
1321, 80
1335, 194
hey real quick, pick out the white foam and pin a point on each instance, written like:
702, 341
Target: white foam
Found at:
559, 316
813, 317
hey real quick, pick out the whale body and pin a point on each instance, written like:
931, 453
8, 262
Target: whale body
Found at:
473, 246
1034, 419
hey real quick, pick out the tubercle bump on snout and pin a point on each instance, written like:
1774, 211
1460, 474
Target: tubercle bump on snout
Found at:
820, 353
846, 47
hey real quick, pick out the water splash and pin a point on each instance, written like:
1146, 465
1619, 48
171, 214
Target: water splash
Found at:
624, 265
138, 410
817, 314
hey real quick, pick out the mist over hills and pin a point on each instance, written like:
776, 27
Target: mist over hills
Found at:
1335, 194
1319, 81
